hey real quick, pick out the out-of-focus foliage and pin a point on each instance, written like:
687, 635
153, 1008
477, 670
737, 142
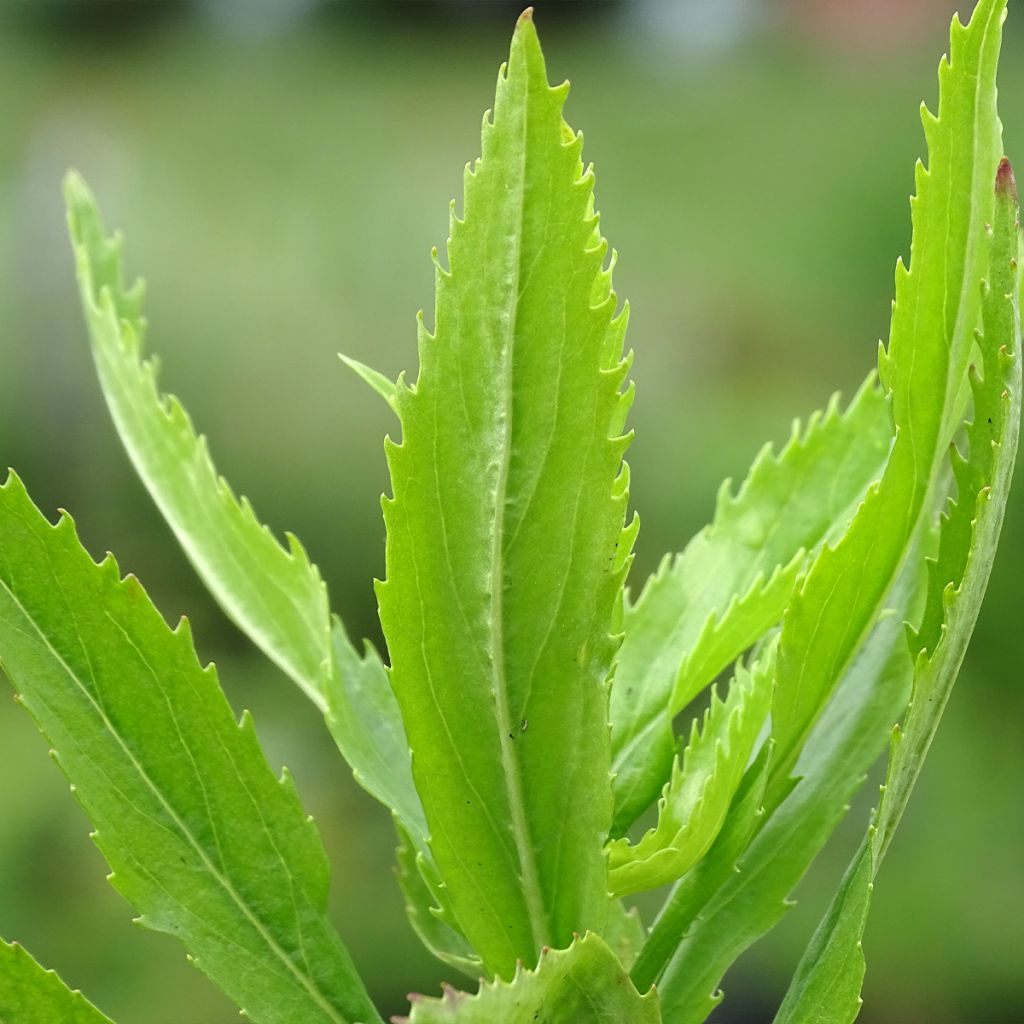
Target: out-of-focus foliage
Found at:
761, 241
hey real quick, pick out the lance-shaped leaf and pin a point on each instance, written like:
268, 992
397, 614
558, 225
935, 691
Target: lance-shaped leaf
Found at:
275, 595
505, 544
202, 839
272, 593
704, 607
826, 987
29, 994
704, 781
934, 318
693, 945
582, 983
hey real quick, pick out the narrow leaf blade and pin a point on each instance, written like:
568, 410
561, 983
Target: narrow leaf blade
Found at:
704, 781
846, 741
366, 723
935, 315
202, 839
689, 623
505, 545
430, 921
827, 985
274, 594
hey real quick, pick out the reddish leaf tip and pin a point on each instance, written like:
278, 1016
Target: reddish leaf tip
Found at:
1006, 184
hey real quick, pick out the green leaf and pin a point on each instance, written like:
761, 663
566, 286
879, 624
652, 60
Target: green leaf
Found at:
202, 839
366, 723
827, 985
970, 529
704, 607
374, 379
695, 947
697, 887
935, 314
697, 798
624, 933
505, 544
31, 995
427, 912
584, 983
272, 593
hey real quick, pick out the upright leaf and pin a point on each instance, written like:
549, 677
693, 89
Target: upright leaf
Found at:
692, 946
827, 984
505, 544
732, 582
584, 983
934, 318
201, 838
273, 594
31, 995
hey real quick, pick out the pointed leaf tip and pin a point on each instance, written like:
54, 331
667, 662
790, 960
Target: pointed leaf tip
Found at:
527, 15
1006, 184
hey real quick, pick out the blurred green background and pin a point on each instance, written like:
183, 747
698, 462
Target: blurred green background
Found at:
281, 171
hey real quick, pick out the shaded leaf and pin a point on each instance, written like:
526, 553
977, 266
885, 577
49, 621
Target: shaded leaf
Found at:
703, 608
366, 723
704, 781
201, 838
424, 906
721, 924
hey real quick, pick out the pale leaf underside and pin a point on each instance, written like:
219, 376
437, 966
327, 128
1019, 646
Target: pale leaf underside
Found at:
274, 594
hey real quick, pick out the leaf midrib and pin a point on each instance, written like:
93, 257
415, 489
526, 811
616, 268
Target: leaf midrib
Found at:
530, 877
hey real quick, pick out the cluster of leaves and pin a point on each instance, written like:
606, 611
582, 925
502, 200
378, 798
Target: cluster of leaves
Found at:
526, 720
